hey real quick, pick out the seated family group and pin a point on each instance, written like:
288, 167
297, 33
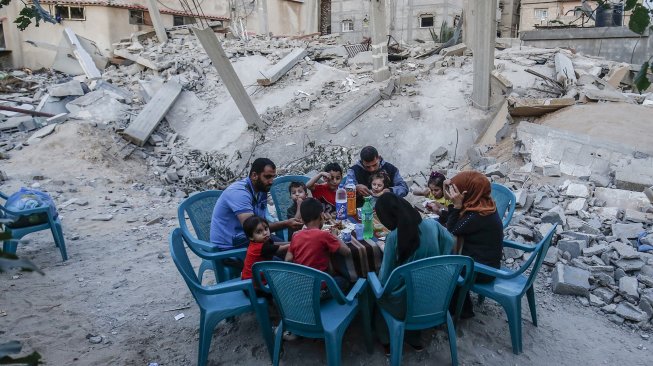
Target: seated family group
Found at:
468, 222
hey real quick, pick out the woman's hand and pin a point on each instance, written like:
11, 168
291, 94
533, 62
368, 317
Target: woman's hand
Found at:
455, 196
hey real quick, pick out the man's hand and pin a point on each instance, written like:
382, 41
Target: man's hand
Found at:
294, 223
456, 196
363, 190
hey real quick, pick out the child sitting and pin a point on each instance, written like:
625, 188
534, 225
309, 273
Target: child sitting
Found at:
326, 192
435, 193
380, 183
312, 247
298, 193
261, 247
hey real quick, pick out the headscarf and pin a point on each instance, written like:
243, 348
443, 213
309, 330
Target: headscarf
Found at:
479, 193
396, 213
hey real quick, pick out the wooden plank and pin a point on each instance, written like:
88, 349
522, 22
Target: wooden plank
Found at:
273, 74
140, 129
136, 58
85, 60
348, 112
523, 107
229, 77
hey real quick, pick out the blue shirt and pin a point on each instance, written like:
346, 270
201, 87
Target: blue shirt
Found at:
238, 198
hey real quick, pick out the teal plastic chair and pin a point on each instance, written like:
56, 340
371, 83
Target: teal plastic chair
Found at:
428, 285
509, 287
296, 292
505, 201
199, 210
281, 197
220, 301
52, 223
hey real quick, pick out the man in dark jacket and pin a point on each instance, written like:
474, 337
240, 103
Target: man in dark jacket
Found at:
369, 164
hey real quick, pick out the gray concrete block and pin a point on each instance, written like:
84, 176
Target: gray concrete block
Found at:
556, 215
624, 250
604, 294
577, 190
630, 265
628, 288
551, 170
630, 312
633, 178
569, 280
552, 256
629, 231
577, 205
574, 247
595, 250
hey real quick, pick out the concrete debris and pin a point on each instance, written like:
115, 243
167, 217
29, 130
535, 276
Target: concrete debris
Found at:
72, 87
569, 280
522, 107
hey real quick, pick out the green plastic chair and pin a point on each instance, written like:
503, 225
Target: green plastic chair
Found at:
281, 197
428, 285
509, 287
505, 201
52, 223
218, 302
199, 209
296, 292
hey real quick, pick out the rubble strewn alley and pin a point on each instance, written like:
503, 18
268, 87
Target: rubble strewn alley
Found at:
567, 132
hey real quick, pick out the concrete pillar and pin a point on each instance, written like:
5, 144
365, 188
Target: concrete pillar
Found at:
155, 15
263, 27
379, 35
483, 42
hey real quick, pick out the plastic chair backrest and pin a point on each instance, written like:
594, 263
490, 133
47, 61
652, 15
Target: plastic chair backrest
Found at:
505, 201
296, 292
429, 285
537, 256
199, 208
182, 262
280, 194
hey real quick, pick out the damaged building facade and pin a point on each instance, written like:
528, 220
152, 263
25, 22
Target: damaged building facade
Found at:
407, 21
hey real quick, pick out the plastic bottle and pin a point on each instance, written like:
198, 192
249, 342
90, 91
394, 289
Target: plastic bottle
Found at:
341, 203
367, 219
351, 196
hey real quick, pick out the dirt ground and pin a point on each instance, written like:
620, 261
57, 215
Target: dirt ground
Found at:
121, 284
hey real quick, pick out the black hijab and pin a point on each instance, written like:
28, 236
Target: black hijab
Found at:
397, 213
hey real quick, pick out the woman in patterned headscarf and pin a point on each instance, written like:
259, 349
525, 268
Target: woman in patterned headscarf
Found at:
474, 221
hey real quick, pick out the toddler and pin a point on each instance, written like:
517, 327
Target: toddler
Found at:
326, 192
261, 247
435, 193
298, 194
313, 247
380, 181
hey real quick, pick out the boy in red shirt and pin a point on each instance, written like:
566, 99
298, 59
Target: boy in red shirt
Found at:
326, 192
312, 247
261, 247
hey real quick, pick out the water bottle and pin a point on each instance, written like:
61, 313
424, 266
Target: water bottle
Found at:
368, 219
341, 203
351, 196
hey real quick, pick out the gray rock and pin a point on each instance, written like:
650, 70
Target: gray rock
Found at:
568, 280
556, 215
646, 307
624, 250
512, 253
577, 190
552, 256
541, 231
596, 301
523, 231
600, 180
647, 294
439, 154
544, 204
595, 250
629, 311
551, 170
610, 309
646, 280
72, 87
604, 279
630, 265
647, 270
574, 247
629, 231
577, 205
101, 217
499, 169
619, 273
628, 288
605, 294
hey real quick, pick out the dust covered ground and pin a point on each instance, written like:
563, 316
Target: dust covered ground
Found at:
121, 285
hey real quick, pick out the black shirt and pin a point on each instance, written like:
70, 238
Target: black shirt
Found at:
483, 235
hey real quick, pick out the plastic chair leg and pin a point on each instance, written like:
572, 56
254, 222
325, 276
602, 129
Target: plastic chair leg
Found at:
530, 295
278, 338
266, 329
396, 342
10, 246
333, 342
206, 333
513, 311
57, 233
365, 304
452, 340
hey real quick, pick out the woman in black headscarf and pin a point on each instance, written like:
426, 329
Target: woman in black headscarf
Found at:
410, 239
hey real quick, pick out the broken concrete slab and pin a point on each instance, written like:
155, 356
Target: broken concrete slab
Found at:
628, 288
530, 107
606, 95
629, 231
139, 130
457, 50
414, 110
72, 87
573, 247
617, 74
97, 106
577, 190
491, 134
637, 176
88, 65
569, 280
124, 53
348, 112
622, 199
552, 256
629, 311
38, 135
282, 67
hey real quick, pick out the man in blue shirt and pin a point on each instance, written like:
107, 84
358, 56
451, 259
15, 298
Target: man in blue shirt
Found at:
242, 199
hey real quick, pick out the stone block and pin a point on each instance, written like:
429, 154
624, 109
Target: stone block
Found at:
646, 307
541, 231
577, 190
629, 311
414, 110
551, 170
544, 204
556, 215
600, 180
595, 250
72, 87
649, 193
629, 231
628, 288
573, 247
646, 280
630, 265
568, 280
578, 204
499, 169
633, 178
638, 216
552, 256
604, 294
624, 250
596, 301
621, 198
521, 195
